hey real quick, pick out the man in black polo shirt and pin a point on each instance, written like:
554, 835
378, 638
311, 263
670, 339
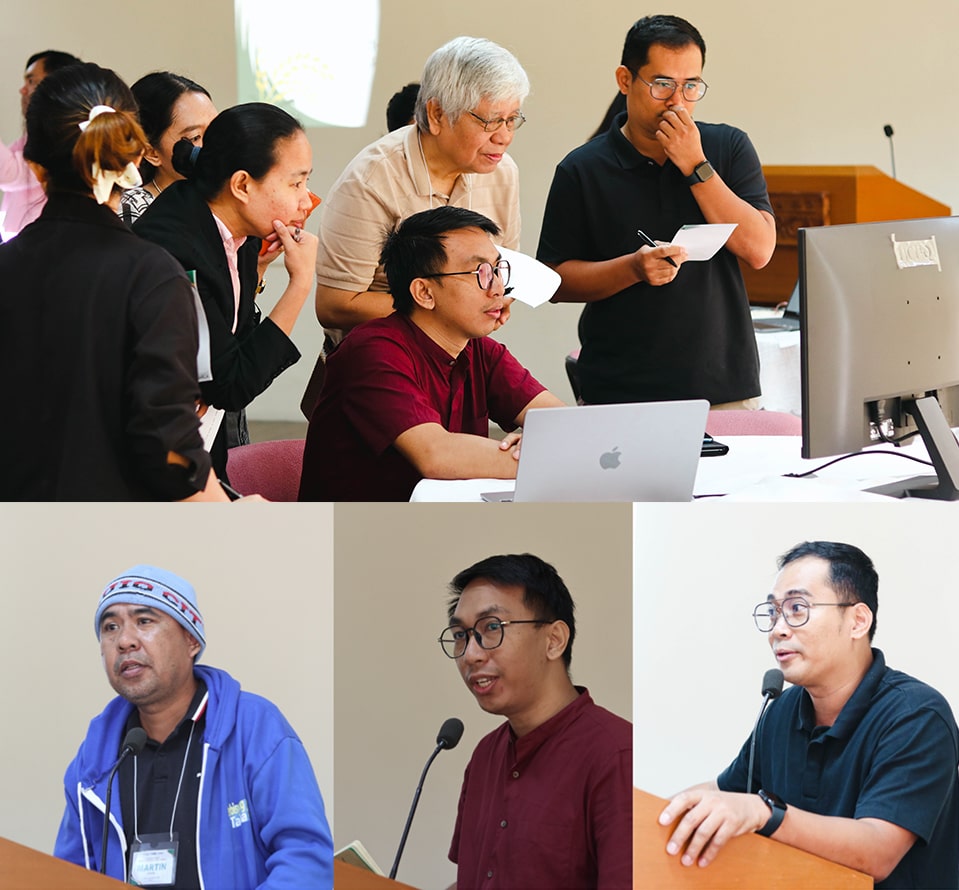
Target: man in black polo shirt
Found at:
656, 327
856, 762
222, 794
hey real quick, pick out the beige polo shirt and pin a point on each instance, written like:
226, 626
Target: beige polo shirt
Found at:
387, 182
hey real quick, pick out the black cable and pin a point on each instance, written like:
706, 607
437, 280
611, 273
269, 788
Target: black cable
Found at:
836, 460
894, 441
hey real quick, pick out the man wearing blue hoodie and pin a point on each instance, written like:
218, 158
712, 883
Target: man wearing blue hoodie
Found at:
222, 794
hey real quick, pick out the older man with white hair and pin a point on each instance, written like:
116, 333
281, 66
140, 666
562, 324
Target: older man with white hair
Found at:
468, 108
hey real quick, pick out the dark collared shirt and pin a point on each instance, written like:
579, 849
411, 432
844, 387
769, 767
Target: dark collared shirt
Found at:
552, 809
689, 339
892, 754
158, 768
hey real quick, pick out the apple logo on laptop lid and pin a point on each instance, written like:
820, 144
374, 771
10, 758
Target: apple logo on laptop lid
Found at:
609, 460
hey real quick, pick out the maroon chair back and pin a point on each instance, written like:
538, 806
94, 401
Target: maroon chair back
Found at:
753, 423
271, 469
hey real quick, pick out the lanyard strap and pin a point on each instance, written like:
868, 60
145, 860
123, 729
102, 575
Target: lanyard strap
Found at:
176, 800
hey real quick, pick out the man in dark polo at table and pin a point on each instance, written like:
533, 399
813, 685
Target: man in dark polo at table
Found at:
546, 799
856, 762
410, 396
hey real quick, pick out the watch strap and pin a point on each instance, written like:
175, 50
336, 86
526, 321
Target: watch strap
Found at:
701, 172
778, 808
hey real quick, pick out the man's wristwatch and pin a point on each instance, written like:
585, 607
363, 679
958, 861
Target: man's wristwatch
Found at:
778, 807
701, 172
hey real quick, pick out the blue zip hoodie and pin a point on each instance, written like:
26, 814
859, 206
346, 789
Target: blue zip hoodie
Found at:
261, 821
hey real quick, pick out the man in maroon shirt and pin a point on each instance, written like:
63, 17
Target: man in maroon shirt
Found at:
410, 396
546, 799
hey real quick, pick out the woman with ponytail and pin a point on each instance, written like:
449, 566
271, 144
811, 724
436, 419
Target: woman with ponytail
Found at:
246, 184
99, 335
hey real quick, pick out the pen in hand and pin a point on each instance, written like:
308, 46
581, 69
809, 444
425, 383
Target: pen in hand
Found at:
650, 243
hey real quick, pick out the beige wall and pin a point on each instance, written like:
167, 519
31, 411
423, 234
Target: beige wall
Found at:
811, 82
699, 660
394, 685
264, 581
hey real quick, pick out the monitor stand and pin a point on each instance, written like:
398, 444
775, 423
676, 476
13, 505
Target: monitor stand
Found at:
943, 450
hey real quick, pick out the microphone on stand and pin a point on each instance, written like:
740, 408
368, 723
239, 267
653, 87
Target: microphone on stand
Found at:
887, 129
133, 744
449, 737
772, 688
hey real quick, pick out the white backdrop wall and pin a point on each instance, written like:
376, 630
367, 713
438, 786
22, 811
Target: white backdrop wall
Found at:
698, 661
264, 584
812, 83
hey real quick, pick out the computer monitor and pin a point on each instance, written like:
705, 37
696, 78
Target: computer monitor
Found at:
879, 306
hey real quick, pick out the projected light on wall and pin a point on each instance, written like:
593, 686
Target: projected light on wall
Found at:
314, 58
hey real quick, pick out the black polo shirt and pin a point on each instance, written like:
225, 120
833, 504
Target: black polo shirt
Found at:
691, 338
892, 754
158, 769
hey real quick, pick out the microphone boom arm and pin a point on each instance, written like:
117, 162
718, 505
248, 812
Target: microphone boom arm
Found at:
409, 818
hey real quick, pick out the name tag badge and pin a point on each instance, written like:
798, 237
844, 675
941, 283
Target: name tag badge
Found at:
153, 860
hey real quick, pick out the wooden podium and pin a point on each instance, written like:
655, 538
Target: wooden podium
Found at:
22, 868
349, 877
745, 862
824, 196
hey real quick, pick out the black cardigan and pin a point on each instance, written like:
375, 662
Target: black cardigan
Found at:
98, 349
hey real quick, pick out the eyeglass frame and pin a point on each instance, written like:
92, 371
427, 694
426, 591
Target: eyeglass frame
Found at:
781, 614
518, 120
495, 272
657, 80
477, 637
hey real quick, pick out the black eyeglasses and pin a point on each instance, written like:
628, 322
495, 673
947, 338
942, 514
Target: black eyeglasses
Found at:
487, 632
664, 87
513, 122
484, 273
794, 609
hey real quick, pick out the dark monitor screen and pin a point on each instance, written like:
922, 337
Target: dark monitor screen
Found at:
879, 309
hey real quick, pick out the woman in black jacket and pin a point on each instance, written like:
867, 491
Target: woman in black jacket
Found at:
248, 182
98, 343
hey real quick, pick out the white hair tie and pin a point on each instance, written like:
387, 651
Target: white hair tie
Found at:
96, 111
105, 180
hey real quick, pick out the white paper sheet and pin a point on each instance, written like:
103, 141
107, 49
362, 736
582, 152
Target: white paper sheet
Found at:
210, 425
702, 241
533, 282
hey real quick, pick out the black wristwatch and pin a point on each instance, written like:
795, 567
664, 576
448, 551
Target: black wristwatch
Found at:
778, 807
701, 172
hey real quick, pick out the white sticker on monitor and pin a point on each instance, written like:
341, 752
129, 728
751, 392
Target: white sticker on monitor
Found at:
916, 253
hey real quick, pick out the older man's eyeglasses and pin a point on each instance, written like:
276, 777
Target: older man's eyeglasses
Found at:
513, 122
484, 273
487, 632
664, 87
794, 609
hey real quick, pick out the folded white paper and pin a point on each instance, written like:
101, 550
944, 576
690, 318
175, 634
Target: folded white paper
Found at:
533, 282
702, 241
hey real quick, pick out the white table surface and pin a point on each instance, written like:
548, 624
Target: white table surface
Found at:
751, 471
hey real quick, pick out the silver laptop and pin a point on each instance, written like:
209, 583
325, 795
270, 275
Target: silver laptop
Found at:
642, 451
788, 321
